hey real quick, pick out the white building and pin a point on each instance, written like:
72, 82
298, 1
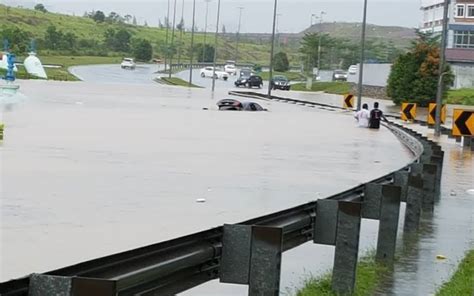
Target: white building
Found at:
460, 42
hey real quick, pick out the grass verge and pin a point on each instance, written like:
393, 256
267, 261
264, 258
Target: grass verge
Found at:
178, 82
462, 282
369, 274
463, 96
335, 87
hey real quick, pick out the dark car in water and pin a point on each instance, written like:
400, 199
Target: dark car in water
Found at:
251, 81
234, 105
280, 82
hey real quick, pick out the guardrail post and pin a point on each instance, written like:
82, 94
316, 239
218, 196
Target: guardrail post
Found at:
400, 178
388, 227
466, 141
251, 255
413, 204
41, 284
458, 139
265, 262
429, 184
472, 143
347, 247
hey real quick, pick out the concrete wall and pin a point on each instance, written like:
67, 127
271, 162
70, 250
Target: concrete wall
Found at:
464, 75
374, 74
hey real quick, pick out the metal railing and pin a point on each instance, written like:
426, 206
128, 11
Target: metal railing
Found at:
249, 253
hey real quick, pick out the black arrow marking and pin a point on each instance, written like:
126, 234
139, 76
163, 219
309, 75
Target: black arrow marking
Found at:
433, 113
407, 110
461, 123
348, 101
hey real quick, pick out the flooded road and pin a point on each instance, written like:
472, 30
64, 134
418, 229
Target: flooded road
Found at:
92, 169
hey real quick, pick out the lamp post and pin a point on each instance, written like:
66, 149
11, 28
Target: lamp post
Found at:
167, 30
215, 47
172, 37
311, 20
270, 76
319, 41
205, 31
362, 58
439, 93
278, 32
238, 35
181, 33
192, 46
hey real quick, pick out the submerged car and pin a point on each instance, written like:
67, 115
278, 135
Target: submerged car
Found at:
128, 63
280, 82
352, 69
251, 81
218, 73
235, 105
339, 75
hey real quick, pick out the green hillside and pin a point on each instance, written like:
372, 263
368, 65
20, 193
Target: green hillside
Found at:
87, 31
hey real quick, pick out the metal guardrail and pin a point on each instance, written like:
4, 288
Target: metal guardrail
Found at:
250, 252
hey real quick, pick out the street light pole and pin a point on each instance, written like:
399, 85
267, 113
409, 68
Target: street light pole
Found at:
362, 58
270, 76
238, 35
167, 30
319, 41
215, 47
181, 33
442, 53
205, 31
278, 32
172, 38
192, 46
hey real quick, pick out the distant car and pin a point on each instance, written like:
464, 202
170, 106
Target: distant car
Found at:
280, 82
128, 63
352, 69
251, 81
230, 69
219, 74
339, 75
234, 105
245, 72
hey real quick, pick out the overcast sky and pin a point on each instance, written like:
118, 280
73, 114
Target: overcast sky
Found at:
295, 15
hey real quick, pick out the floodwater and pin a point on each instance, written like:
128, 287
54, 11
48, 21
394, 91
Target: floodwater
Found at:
91, 169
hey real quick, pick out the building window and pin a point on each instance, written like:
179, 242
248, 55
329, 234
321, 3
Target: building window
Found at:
464, 39
460, 10
470, 11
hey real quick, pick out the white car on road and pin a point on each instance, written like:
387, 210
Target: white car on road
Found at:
352, 69
219, 74
230, 69
128, 63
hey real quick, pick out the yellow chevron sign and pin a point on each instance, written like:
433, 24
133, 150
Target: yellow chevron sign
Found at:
408, 111
348, 101
432, 113
463, 122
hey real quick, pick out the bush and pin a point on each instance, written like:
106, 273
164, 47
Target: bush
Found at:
142, 50
280, 62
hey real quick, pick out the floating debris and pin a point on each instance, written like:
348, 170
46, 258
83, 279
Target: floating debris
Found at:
440, 257
470, 191
201, 200
452, 193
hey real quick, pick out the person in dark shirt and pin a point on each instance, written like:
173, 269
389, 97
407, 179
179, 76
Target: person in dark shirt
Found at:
375, 116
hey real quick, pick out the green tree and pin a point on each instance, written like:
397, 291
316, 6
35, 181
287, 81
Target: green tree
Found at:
18, 39
280, 62
122, 40
40, 7
205, 53
53, 38
142, 50
414, 75
98, 16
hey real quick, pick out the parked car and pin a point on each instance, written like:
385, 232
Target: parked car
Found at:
339, 75
234, 105
128, 63
280, 82
251, 81
219, 74
352, 69
246, 72
230, 69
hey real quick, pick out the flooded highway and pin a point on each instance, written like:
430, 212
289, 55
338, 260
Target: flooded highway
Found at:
91, 169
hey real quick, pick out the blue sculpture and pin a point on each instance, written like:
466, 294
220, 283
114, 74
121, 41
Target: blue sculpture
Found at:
11, 64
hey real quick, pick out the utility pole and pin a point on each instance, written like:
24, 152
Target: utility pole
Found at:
442, 53
319, 41
238, 35
278, 32
167, 30
362, 58
181, 33
205, 31
270, 76
172, 38
215, 47
192, 46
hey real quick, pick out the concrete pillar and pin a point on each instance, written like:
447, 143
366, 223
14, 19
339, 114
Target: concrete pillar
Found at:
347, 247
466, 141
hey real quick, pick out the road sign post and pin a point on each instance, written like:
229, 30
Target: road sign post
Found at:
348, 101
